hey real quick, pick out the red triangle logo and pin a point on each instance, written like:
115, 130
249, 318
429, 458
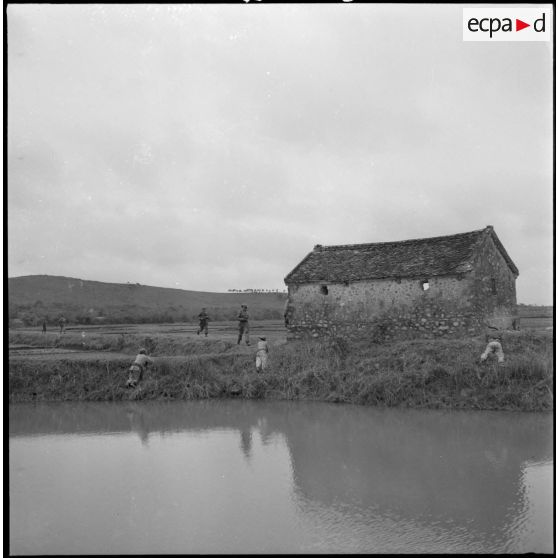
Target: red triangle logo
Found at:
519, 25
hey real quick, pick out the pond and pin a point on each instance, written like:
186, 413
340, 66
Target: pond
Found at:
277, 477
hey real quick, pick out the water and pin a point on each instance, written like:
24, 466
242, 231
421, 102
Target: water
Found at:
277, 477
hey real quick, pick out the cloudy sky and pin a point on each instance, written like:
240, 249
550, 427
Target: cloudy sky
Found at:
210, 147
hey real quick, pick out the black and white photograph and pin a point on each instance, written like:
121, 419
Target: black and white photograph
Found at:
280, 278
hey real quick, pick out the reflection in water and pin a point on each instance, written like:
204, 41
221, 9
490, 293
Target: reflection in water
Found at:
456, 475
136, 417
246, 442
321, 478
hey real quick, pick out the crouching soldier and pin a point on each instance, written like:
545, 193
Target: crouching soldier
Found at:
138, 367
493, 339
261, 355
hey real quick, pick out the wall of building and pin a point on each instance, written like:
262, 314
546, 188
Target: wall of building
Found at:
386, 309
493, 287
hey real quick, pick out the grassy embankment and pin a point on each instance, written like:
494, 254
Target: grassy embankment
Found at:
423, 374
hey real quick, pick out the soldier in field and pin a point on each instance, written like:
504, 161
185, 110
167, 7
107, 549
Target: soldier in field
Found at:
261, 355
493, 340
243, 325
137, 369
204, 320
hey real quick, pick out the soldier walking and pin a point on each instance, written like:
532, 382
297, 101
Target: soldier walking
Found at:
204, 320
243, 326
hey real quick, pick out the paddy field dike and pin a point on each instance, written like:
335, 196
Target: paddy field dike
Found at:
92, 365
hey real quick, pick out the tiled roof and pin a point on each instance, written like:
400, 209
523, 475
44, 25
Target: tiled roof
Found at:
423, 257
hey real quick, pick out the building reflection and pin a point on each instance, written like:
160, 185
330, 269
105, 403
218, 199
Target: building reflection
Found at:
421, 466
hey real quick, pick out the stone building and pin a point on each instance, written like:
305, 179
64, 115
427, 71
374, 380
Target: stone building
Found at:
430, 287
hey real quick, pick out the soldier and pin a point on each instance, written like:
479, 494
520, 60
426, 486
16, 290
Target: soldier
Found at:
243, 326
62, 324
139, 365
287, 312
204, 320
493, 339
261, 355
44, 326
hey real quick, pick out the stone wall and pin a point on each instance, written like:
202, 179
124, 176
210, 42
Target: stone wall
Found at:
387, 309
493, 291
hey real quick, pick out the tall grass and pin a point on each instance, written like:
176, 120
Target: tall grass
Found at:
427, 374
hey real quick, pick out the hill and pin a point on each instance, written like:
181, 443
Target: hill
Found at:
33, 297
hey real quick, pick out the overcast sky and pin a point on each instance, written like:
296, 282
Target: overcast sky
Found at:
210, 147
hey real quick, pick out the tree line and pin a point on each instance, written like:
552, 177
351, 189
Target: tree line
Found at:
256, 291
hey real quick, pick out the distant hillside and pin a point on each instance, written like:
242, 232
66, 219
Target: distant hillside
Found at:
33, 297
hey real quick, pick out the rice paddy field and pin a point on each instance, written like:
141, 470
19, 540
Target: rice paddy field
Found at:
537, 323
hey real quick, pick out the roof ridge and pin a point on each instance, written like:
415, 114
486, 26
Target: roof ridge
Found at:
320, 247
503, 251
297, 266
433, 256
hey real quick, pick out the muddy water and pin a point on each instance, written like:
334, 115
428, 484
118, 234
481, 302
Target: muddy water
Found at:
277, 477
